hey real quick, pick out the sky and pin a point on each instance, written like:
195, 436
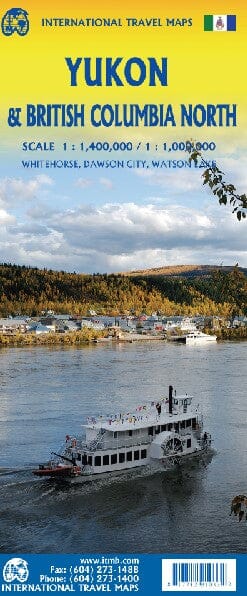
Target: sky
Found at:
118, 219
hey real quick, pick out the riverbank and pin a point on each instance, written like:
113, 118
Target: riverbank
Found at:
232, 333
132, 337
52, 339
87, 335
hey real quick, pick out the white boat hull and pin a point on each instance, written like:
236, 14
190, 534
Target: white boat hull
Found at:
200, 339
171, 464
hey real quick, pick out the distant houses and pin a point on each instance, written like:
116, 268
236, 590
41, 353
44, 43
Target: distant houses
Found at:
239, 322
39, 328
13, 325
144, 324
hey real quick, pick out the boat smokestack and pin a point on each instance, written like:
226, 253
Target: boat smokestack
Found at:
170, 398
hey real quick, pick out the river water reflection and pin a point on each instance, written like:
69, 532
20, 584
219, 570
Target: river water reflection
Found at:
49, 392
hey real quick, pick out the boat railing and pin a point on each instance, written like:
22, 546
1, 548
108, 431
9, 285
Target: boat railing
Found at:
100, 445
149, 419
147, 413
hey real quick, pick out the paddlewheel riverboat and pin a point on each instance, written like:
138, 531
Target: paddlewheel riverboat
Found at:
158, 435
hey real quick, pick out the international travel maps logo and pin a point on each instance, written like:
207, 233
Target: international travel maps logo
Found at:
15, 20
15, 569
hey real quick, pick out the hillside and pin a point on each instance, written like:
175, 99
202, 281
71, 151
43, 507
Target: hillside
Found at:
184, 270
27, 290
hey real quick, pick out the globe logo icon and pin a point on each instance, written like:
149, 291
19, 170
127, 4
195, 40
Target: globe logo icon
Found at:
15, 19
15, 569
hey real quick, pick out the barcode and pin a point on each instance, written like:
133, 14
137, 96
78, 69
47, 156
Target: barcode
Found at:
199, 574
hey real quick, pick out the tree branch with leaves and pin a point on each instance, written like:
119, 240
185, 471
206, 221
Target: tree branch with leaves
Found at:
214, 178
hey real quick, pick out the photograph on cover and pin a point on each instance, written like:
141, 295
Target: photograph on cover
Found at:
123, 288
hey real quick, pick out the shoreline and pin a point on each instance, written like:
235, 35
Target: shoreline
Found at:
88, 336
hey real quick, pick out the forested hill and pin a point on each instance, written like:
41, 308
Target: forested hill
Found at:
27, 290
185, 270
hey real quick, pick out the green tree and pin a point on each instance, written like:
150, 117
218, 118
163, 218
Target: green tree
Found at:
214, 178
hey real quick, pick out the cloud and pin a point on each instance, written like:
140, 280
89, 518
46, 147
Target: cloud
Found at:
119, 237
117, 229
235, 169
6, 218
43, 179
83, 182
190, 179
87, 182
106, 182
28, 229
16, 190
187, 180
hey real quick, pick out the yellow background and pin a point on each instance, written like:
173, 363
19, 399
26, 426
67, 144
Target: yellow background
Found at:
203, 67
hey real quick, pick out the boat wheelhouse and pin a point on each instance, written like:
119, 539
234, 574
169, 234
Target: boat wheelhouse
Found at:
158, 435
199, 337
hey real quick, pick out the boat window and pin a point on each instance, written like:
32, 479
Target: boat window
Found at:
78, 457
121, 457
188, 442
163, 427
188, 422
182, 424
90, 460
115, 435
157, 430
129, 455
114, 458
169, 426
136, 455
130, 433
176, 427
105, 460
150, 431
97, 460
193, 422
143, 453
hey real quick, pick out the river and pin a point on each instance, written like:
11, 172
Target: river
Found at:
47, 392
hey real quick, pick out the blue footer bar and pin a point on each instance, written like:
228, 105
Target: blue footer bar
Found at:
147, 575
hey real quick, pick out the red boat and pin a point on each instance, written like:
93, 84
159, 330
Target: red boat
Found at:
57, 471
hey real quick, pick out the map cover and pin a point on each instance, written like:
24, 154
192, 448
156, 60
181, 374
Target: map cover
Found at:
123, 152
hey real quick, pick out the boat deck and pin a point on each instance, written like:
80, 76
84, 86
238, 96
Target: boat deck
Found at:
145, 416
